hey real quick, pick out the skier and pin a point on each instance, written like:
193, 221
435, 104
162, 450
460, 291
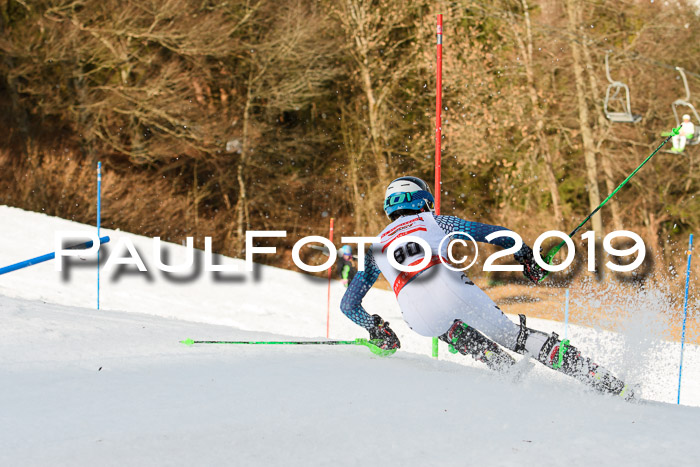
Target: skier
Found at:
439, 302
346, 265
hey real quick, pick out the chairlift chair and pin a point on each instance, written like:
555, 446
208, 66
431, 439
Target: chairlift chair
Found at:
613, 94
686, 103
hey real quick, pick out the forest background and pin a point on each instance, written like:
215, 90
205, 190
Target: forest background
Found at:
212, 118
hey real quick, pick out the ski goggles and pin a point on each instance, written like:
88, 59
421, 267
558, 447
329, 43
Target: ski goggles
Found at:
413, 201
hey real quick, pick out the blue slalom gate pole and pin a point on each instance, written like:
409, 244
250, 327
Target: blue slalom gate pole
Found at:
47, 257
685, 315
566, 313
99, 186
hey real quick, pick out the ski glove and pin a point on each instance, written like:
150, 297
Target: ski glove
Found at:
382, 335
531, 269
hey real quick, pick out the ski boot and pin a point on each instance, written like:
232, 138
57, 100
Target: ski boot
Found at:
468, 341
382, 335
567, 359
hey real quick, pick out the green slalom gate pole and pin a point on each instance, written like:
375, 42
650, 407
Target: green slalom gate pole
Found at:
372, 346
550, 255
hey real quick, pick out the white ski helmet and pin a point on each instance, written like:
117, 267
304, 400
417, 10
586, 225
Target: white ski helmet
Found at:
406, 195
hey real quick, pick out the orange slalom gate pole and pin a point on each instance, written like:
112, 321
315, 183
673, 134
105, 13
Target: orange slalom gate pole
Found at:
328, 310
438, 135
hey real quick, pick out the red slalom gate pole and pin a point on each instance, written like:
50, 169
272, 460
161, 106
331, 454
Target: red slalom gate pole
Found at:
438, 135
328, 310
438, 115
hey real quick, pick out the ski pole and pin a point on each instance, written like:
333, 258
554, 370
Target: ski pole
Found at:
371, 345
49, 256
550, 255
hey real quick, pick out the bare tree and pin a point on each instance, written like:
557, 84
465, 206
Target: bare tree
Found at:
573, 14
540, 144
286, 67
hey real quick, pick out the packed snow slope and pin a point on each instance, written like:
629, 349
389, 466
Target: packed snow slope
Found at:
115, 386
82, 387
